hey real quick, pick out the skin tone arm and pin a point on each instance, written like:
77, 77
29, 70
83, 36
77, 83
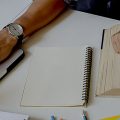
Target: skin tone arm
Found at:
39, 14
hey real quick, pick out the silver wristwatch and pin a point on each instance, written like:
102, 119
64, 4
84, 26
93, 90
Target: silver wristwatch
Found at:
15, 30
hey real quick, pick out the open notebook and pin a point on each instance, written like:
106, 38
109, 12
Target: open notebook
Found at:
109, 69
58, 77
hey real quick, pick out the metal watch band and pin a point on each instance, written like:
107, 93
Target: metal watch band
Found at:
19, 38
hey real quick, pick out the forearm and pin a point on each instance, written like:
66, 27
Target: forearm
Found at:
40, 13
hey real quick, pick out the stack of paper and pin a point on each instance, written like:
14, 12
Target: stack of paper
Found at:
12, 116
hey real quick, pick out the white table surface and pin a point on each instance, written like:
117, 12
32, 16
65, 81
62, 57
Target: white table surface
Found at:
71, 29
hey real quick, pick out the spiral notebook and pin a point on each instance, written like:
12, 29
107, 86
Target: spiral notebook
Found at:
58, 77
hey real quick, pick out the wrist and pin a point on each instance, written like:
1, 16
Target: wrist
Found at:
16, 32
23, 21
8, 38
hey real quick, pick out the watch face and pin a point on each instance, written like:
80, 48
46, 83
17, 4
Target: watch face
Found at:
15, 29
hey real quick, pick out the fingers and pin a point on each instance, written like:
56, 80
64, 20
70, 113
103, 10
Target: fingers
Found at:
116, 42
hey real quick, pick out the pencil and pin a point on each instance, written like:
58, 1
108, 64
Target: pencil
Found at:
84, 115
61, 119
52, 118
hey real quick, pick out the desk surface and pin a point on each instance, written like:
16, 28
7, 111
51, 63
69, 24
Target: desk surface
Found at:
71, 29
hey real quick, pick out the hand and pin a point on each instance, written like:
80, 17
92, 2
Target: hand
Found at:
116, 42
7, 43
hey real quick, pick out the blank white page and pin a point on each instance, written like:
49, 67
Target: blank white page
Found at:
55, 77
12, 116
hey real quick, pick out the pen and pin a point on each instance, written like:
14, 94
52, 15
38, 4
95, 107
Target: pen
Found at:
84, 115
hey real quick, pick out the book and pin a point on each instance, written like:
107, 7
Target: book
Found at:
109, 66
12, 116
58, 77
11, 62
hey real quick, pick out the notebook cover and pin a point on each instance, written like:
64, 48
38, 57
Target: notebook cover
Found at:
11, 62
56, 78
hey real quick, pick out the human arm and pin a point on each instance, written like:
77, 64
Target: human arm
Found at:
39, 14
